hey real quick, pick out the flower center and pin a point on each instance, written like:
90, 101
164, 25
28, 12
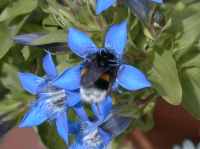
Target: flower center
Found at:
93, 139
54, 98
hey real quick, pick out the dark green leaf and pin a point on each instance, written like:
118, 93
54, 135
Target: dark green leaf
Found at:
50, 137
7, 33
18, 7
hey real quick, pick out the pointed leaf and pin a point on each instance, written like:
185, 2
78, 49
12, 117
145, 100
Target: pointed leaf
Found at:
50, 137
7, 33
164, 76
191, 94
17, 8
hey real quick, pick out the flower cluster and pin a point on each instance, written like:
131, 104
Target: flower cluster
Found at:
101, 71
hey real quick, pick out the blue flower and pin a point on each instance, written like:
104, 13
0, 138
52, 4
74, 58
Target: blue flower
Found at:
91, 136
102, 5
98, 134
52, 103
103, 64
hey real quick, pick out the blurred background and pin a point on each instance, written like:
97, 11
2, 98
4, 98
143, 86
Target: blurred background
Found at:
165, 44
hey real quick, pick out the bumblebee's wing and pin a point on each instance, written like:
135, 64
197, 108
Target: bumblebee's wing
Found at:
116, 124
91, 73
28, 39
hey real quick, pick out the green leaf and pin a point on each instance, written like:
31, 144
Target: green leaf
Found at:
191, 88
17, 8
3, 3
164, 76
5, 38
145, 123
12, 105
191, 31
52, 37
50, 137
10, 114
10, 81
193, 60
26, 52
7, 33
191, 34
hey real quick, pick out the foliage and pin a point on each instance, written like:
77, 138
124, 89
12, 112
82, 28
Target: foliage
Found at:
171, 58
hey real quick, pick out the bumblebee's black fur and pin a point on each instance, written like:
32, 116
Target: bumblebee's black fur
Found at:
99, 71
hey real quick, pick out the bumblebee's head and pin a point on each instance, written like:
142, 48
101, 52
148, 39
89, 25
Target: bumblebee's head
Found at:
101, 65
104, 58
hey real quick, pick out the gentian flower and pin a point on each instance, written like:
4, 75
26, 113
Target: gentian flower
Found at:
52, 102
102, 68
102, 5
97, 134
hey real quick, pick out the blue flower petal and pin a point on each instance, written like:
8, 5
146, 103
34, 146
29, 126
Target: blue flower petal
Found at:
30, 82
73, 98
80, 111
115, 86
69, 79
115, 123
35, 116
116, 38
106, 137
77, 145
157, 1
102, 109
27, 39
80, 43
74, 127
132, 78
96, 110
102, 5
49, 66
106, 106
62, 126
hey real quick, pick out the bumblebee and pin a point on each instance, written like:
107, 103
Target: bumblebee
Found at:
98, 75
